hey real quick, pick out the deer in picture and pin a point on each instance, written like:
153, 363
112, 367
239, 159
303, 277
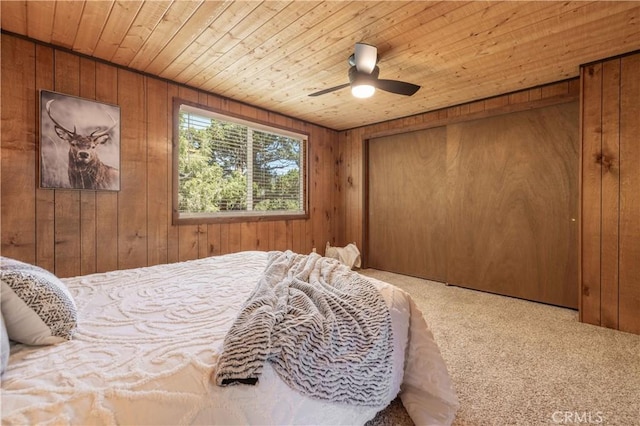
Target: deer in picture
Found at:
85, 170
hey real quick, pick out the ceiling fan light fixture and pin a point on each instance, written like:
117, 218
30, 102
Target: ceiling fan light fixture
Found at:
362, 83
363, 90
363, 76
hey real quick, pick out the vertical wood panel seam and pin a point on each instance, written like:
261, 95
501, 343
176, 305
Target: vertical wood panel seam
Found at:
169, 156
580, 194
601, 128
36, 135
80, 225
95, 204
170, 161
619, 161
145, 85
55, 193
117, 253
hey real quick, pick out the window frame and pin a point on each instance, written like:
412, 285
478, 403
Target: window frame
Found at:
235, 216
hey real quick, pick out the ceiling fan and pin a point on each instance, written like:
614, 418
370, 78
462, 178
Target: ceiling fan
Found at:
363, 76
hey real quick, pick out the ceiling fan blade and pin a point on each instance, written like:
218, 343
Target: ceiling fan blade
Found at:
365, 57
330, 89
398, 87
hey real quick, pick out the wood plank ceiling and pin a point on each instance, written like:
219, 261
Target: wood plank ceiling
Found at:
272, 54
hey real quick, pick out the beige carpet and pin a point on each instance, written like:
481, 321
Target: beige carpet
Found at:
515, 362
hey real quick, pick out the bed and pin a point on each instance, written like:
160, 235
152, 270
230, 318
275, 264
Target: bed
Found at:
147, 342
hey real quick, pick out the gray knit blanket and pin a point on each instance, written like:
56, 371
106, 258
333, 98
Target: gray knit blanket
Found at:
324, 328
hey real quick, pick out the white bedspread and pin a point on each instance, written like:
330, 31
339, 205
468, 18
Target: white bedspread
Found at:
148, 341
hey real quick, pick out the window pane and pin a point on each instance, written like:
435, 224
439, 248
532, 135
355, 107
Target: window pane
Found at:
228, 168
276, 172
229, 152
199, 179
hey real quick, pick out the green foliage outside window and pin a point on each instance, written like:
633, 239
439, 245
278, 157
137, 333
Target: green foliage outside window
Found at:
228, 167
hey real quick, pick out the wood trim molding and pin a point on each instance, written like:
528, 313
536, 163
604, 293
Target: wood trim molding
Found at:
493, 106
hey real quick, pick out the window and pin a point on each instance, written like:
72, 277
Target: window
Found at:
227, 168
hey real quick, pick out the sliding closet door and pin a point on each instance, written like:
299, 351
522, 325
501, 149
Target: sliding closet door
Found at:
513, 204
406, 204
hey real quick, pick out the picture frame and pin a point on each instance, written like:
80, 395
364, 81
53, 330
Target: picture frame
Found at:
79, 143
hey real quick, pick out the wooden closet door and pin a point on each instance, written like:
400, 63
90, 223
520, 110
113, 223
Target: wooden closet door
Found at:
406, 204
513, 204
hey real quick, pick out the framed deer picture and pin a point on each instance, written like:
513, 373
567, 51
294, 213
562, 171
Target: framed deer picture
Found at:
79, 143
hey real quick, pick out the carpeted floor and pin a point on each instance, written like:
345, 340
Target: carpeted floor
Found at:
515, 362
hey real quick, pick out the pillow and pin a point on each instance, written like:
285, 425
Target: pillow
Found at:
348, 255
4, 345
37, 307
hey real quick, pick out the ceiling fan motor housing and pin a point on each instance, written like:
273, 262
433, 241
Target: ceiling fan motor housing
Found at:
358, 77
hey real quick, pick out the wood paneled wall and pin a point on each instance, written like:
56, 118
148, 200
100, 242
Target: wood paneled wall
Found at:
610, 262
79, 232
350, 188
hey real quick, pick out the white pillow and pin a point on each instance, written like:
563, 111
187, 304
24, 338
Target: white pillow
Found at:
348, 255
37, 307
5, 349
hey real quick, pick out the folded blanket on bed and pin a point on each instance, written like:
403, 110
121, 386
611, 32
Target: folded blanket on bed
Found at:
326, 330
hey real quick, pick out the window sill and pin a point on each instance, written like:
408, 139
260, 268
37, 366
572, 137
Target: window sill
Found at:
235, 217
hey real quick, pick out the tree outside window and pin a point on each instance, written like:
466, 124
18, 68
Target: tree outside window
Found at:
229, 168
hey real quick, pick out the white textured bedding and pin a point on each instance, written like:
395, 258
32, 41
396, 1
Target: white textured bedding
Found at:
148, 341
